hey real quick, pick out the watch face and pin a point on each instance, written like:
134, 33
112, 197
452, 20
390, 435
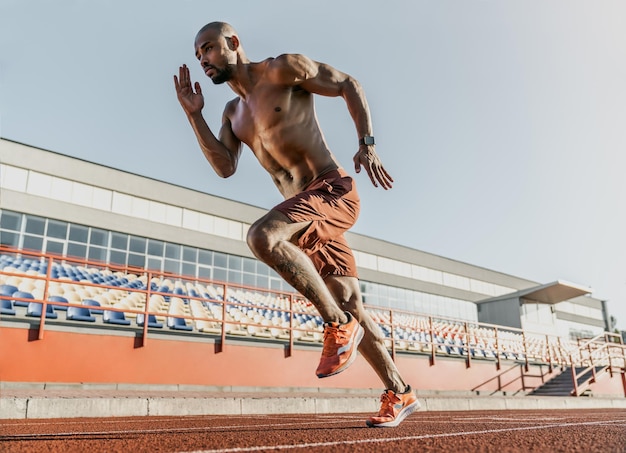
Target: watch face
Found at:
368, 140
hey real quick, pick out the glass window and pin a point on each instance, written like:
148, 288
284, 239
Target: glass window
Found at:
33, 242
172, 251
35, 225
119, 241
155, 264
57, 229
249, 265
219, 274
137, 244
98, 237
205, 257
204, 272
10, 220
54, 247
136, 260
262, 281
77, 250
220, 260
79, 233
118, 257
9, 239
189, 269
97, 253
155, 248
234, 262
172, 266
275, 284
190, 254
249, 279
234, 276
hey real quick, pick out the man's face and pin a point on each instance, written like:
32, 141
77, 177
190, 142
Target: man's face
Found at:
216, 58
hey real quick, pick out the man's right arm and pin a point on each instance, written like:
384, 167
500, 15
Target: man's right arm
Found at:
223, 152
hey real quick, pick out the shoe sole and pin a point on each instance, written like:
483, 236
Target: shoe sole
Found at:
358, 338
404, 413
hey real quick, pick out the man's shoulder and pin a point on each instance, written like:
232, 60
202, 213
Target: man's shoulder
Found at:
288, 66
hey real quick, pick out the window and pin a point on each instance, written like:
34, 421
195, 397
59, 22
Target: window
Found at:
10, 221
77, 250
57, 229
79, 233
155, 248
98, 237
9, 239
137, 244
32, 242
119, 241
35, 225
172, 251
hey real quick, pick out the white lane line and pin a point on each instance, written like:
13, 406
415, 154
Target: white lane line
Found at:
396, 439
86, 434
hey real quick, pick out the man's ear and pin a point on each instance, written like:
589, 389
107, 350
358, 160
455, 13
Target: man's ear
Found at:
233, 42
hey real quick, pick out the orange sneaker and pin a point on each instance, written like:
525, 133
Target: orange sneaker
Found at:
340, 346
394, 408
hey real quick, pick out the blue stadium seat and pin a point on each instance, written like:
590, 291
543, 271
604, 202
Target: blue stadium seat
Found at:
93, 306
58, 299
34, 309
7, 290
178, 324
22, 295
115, 317
152, 321
6, 307
79, 314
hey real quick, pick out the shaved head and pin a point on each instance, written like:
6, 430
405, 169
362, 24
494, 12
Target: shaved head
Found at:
223, 28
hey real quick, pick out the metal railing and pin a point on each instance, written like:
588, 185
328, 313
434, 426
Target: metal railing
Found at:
211, 308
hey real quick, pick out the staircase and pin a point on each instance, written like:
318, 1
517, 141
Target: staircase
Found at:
562, 385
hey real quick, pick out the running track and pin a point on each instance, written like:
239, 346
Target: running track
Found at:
585, 431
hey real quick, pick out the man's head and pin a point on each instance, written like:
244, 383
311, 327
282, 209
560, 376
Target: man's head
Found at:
217, 48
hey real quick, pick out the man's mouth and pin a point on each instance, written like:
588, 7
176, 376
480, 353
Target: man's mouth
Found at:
208, 70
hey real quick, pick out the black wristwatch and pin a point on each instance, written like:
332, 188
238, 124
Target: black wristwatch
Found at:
367, 140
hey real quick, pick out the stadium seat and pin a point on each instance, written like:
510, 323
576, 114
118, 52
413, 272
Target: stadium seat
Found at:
79, 314
34, 309
21, 295
115, 317
58, 299
152, 321
178, 324
7, 290
6, 307
93, 306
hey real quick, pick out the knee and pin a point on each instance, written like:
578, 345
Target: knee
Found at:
259, 239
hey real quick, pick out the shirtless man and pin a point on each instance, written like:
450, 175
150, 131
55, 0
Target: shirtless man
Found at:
301, 238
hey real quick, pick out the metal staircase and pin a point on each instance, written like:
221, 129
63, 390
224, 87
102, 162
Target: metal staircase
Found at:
603, 355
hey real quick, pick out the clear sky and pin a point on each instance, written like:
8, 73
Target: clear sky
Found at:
502, 122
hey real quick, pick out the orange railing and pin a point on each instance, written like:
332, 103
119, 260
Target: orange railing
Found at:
225, 310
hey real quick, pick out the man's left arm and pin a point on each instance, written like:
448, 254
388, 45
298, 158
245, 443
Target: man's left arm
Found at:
323, 79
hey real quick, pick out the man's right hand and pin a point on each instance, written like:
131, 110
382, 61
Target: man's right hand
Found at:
191, 102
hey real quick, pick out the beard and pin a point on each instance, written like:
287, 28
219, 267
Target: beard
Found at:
222, 75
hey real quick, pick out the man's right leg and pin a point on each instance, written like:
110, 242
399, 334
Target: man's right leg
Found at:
273, 240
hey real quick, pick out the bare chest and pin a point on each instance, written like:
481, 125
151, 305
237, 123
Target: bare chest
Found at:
267, 113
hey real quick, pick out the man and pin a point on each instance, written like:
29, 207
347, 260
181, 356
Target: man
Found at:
301, 238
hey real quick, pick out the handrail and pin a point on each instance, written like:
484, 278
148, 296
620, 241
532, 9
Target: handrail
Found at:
461, 336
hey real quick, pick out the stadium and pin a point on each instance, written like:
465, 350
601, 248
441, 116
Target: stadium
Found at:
150, 286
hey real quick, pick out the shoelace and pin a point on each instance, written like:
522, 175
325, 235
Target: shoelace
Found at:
330, 347
387, 403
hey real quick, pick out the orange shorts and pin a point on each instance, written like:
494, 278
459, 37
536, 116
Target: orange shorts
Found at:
331, 204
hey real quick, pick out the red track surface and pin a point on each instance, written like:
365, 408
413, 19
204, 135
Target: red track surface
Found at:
585, 431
